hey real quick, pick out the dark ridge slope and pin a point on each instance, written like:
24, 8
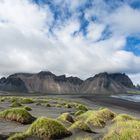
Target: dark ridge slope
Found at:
47, 82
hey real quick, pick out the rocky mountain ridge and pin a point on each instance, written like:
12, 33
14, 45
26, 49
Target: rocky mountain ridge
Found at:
47, 82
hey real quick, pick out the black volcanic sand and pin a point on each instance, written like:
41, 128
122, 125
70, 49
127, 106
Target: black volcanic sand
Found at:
93, 102
115, 104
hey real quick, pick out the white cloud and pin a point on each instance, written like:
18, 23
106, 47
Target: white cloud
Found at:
95, 31
26, 45
125, 20
25, 15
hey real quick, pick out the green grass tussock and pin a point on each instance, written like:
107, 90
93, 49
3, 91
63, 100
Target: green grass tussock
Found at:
124, 130
28, 108
26, 100
81, 107
80, 125
97, 118
79, 112
123, 117
18, 136
66, 117
15, 104
17, 114
47, 128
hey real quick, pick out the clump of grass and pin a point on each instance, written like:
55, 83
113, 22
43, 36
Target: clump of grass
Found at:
79, 112
13, 99
26, 100
66, 117
97, 118
124, 130
48, 105
27, 108
68, 106
58, 105
38, 104
17, 114
123, 117
15, 104
2, 99
18, 136
46, 128
81, 107
106, 114
80, 125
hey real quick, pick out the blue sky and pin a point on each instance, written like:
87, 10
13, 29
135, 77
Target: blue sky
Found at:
79, 38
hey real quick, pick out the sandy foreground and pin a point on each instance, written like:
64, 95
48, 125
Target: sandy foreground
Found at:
94, 102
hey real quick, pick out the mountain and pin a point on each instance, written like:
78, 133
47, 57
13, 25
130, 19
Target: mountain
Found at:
43, 82
47, 82
107, 83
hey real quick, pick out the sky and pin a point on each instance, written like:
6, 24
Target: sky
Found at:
73, 37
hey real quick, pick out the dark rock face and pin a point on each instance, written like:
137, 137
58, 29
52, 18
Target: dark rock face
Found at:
12, 84
107, 83
47, 82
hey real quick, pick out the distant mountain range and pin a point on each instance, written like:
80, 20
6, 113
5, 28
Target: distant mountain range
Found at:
47, 82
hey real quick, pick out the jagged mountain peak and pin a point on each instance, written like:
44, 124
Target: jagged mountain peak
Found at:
47, 82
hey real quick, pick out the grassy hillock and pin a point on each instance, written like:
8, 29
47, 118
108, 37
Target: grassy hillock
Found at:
124, 130
97, 118
80, 125
66, 117
44, 128
17, 114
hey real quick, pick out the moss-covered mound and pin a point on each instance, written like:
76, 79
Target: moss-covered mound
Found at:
26, 100
15, 104
97, 118
48, 105
17, 114
80, 125
27, 108
66, 117
18, 136
123, 117
81, 107
126, 130
79, 112
47, 128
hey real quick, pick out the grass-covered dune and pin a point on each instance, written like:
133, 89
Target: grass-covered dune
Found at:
97, 118
81, 126
44, 128
69, 118
17, 114
66, 117
124, 130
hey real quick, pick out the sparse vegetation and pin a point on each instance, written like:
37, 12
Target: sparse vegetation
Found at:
27, 108
48, 105
79, 112
18, 136
81, 107
15, 104
66, 117
80, 125
47, 128
26, 100
17, 114
68, 106
78, 117
97, 118
124, 130
123, 117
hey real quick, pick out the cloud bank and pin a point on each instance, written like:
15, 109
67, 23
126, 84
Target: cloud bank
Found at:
79, 38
